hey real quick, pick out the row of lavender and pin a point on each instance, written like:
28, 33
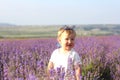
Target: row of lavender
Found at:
101, 57
27, 59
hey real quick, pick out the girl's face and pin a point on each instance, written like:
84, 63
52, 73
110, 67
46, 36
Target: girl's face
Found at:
67, 41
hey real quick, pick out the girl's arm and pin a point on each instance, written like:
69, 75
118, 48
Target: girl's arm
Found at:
78, 71
50, 66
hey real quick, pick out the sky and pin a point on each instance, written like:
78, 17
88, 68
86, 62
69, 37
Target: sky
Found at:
59, 12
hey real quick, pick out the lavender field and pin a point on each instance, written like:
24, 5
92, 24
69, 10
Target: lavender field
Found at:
27, 59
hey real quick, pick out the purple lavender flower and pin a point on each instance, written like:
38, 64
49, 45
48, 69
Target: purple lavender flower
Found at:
31, 77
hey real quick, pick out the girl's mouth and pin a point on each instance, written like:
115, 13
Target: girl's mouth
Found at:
69, 45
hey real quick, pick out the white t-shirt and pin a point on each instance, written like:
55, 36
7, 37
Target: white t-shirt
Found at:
65, 60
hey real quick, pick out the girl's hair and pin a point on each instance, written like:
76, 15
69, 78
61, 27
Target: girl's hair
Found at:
68, 30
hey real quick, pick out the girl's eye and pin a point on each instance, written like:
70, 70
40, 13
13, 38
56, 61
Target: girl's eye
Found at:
72, 39
66, 39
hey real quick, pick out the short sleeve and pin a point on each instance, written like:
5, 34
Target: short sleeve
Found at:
77, 59
53, 56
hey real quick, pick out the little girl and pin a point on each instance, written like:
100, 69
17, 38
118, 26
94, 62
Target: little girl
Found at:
66, 58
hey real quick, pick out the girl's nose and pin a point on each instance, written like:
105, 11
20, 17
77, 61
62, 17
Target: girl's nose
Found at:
69, 41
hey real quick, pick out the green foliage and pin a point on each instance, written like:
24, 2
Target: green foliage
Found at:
87, 68
51, 31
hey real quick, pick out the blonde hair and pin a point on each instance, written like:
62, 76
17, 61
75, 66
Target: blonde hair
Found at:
67, 29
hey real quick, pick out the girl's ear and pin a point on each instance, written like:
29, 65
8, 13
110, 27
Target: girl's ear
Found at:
58, 44
58, 39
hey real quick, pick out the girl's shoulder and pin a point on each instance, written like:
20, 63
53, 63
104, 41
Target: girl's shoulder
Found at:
56, 51
73, 52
